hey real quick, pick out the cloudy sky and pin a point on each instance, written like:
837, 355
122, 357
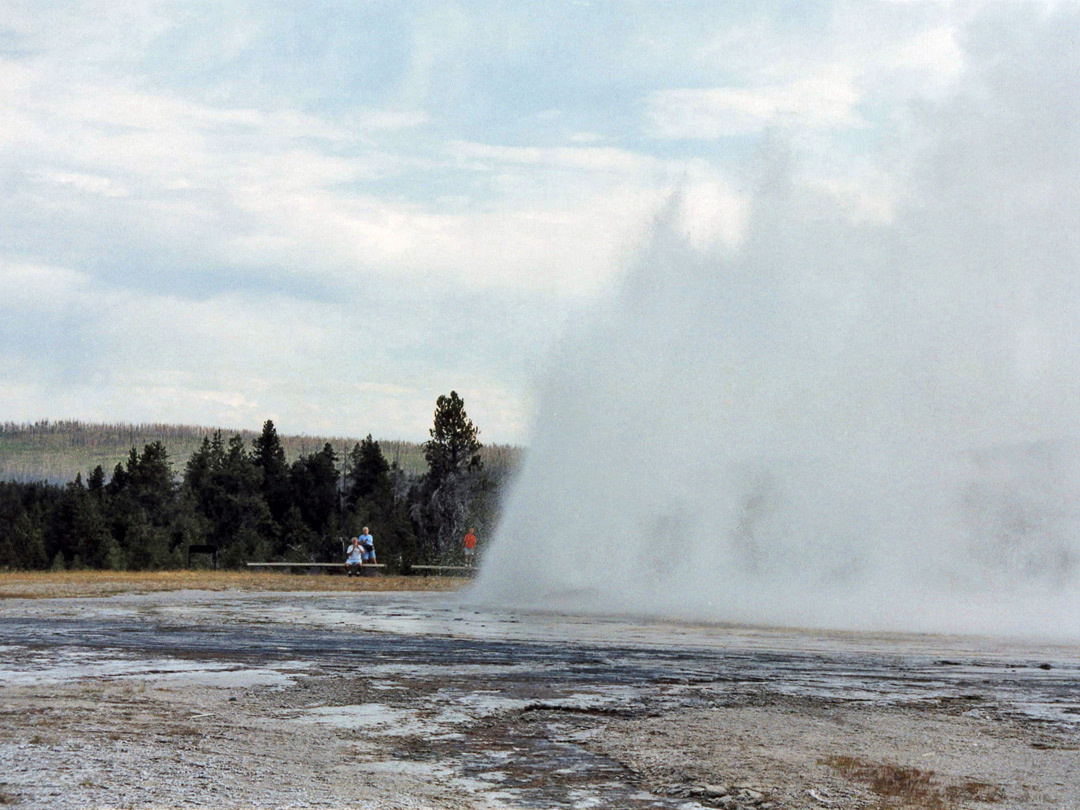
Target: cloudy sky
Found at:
329, 213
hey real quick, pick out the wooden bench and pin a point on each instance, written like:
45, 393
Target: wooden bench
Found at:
308, 565
471, 569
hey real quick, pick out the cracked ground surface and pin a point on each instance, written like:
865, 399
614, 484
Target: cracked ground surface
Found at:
399, 700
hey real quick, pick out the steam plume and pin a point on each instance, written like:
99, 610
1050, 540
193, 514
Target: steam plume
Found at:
841, 424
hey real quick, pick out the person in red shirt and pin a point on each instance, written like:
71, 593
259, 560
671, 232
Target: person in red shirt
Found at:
470, 547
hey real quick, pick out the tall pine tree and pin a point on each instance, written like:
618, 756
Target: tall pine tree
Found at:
269, 455
454, 474
368, 475
454, 447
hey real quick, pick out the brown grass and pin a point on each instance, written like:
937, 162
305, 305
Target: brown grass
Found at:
975, 791
59, 584
911, 788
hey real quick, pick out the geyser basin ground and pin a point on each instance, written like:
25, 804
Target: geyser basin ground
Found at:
400, 700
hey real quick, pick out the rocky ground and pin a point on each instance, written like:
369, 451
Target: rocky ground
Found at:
378, 700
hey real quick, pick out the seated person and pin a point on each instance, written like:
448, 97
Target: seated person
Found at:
355, 558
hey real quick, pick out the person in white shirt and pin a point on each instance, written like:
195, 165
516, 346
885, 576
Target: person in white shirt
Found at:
355, 558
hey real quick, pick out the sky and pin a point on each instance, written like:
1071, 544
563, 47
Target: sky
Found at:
330, 213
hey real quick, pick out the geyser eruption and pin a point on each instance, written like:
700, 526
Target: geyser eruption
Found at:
840, 423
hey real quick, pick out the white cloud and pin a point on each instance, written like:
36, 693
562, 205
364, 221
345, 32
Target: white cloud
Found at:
333, 367
935, 53
86, 183
248, 188
827, 100
563, 246
578, 158
386, 120
15, 78
158, 397
38, 288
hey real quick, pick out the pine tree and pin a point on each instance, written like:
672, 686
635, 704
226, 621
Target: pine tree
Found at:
268, 454
315, 488
96, 482
119, 481
454, 447
368, 476
27, 524
152, 482
28, 539
223, 501
454, 473
82, 531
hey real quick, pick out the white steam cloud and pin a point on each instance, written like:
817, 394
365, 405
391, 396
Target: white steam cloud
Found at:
865, 425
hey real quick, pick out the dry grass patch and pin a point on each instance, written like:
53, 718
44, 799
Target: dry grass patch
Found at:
60, 584
912, 788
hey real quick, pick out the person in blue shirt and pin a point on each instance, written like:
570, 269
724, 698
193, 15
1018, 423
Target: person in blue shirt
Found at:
368, 543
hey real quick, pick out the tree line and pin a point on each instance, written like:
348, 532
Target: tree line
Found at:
250, 502
56, 451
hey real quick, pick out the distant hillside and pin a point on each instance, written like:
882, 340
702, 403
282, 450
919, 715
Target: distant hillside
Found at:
57, 451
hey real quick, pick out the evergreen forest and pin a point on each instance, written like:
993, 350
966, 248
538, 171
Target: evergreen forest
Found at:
245, 497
